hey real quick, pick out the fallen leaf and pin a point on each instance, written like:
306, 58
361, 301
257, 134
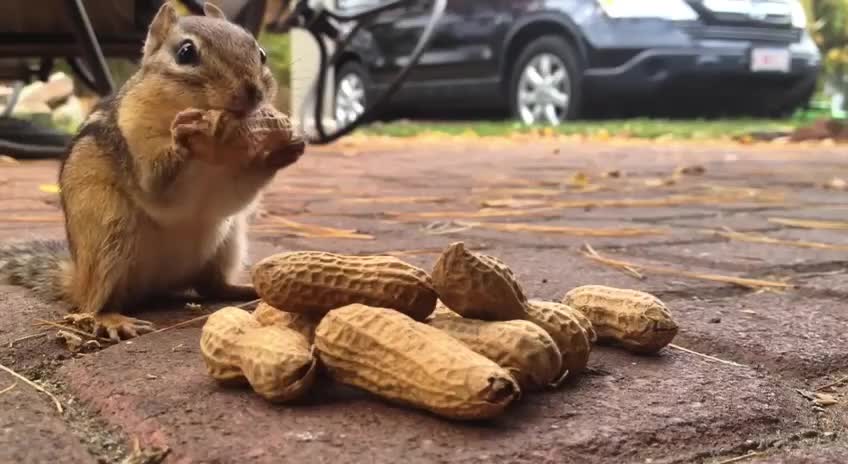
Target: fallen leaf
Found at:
49, 188
579, 179
824, 399
72, 342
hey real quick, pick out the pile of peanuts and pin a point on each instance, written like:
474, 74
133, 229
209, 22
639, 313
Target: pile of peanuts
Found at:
463, 342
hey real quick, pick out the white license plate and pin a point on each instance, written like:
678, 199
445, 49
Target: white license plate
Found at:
771, 60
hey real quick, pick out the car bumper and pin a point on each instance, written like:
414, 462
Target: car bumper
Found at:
652, 55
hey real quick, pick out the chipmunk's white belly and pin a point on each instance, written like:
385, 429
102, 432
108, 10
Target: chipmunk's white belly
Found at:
186, 229
178, 254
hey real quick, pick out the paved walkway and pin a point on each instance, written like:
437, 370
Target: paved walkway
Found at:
521, 201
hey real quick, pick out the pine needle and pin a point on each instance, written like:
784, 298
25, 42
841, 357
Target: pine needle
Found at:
547, 207
27, 337
750, 455
835, 383
35, 386
754, 284
202, 318
287, 226
621, 265
9, 388
50, 219
765, 239
568, 230
419, 252
810, 223
395, 200
705, 356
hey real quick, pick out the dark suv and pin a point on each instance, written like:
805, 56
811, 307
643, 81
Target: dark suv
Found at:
549, 60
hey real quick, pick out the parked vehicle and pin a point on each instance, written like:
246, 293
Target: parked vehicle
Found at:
548, 61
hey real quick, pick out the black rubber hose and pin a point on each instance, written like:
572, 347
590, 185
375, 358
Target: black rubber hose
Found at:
423, 42
30, 151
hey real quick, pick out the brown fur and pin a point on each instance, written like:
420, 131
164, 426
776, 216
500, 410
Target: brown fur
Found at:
143, 215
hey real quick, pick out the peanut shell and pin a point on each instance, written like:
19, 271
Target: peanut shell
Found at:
219, 343
477, 286
571, 338
276, 361
521, 347
442, 311
637, 321
266, 130
316, 282
301, 323
393, 356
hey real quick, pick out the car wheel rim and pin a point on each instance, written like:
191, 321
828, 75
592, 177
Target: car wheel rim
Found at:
544, 90
350, 99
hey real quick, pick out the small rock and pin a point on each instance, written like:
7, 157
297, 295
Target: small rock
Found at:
715, 320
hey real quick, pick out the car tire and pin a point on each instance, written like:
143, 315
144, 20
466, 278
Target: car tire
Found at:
351, 95
561, 56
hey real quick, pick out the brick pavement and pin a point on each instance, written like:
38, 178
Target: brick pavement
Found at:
414, 198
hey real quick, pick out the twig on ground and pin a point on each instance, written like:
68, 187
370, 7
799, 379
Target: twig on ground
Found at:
201, 318
9, 388
706, 356
835, 383
750, 455
754, 284
35, 386
27, 337
762, 238
72, 329
810, 223
591, 253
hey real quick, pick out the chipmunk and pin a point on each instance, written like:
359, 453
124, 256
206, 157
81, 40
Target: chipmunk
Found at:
145, 215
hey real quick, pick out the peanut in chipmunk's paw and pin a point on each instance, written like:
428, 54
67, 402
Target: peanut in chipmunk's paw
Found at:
275, 141
114, 326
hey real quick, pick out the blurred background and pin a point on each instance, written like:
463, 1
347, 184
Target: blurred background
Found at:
755, 69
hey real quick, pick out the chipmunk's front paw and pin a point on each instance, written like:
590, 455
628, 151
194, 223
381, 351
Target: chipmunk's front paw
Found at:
193, 134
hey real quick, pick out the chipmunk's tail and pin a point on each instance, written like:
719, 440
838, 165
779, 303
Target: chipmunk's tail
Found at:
37, 265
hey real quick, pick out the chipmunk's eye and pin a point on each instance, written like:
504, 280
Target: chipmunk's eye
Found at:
187, 53
262, 56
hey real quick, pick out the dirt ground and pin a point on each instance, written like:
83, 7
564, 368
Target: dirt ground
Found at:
754, 385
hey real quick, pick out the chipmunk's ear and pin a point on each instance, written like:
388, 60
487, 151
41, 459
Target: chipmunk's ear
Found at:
209, 9
160, 27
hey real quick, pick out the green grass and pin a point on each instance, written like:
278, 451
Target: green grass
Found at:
279, 55
636, 128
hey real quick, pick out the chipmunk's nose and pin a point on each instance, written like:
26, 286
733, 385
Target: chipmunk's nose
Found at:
248, 98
